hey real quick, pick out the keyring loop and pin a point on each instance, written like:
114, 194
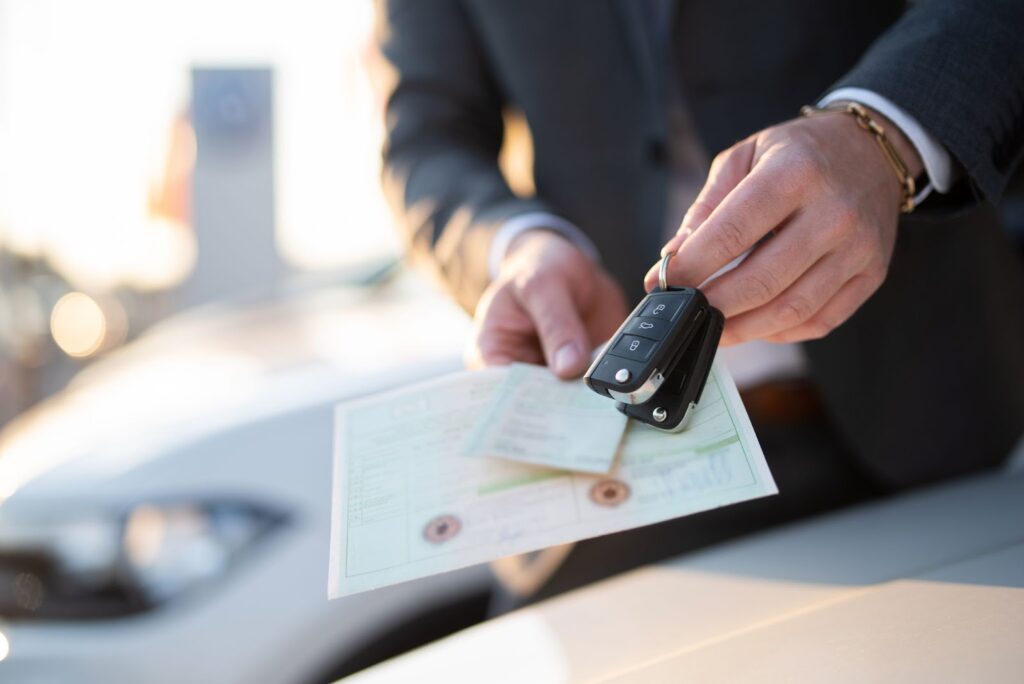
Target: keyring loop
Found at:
663, 270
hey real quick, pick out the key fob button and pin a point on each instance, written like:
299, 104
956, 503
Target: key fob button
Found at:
644, 326
664, 307
633, 347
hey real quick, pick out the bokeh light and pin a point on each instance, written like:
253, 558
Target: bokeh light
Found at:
78, 325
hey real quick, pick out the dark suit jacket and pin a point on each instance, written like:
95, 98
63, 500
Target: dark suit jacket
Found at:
927, 379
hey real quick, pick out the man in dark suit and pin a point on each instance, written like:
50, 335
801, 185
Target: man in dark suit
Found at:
909, 366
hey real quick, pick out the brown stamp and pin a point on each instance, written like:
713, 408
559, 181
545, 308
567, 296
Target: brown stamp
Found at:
442, 528
609, 493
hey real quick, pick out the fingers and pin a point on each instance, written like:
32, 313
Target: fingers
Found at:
748, 213
756, 205
503, 333
727, 170
770, 269
836, 311
791, 308
493, 349
807, 309
562, 334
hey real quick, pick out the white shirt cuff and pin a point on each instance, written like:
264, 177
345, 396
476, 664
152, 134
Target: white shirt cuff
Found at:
934, 157
536, 220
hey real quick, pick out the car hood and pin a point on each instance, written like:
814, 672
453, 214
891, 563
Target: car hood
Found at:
214, 370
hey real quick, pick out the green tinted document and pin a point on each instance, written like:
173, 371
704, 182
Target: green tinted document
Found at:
407, 503
534, 417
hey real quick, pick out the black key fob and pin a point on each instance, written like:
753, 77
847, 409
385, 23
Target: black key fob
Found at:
656, 364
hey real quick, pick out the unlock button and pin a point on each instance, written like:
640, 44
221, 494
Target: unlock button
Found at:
631, 347
663, 306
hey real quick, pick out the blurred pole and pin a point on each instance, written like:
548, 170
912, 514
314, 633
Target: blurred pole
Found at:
232, 185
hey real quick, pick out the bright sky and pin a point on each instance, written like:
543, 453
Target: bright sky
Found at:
87, 95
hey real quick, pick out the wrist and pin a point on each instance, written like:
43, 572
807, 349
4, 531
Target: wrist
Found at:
906, 149
895, 148
533, 241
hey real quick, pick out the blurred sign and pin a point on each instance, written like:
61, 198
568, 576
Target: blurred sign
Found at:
233, 184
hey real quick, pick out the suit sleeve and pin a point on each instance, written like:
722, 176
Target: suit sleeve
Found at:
444, 132
958, 68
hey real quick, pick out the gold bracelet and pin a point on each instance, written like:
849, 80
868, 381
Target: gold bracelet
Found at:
864, 120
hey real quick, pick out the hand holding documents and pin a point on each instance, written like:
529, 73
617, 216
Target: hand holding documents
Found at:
409, 502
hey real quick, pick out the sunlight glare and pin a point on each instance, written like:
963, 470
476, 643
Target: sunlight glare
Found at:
85, 130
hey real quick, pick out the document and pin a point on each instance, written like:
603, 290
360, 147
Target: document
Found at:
407, 503
533, 417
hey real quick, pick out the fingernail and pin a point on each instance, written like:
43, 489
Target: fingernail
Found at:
567, 358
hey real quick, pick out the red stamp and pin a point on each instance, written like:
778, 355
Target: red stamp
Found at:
441, 529
609, 493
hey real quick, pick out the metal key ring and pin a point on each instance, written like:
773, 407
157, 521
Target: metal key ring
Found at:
663, 270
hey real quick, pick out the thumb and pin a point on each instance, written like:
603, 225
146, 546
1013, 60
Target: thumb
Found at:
561, 332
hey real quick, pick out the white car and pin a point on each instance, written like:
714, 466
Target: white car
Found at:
166, 517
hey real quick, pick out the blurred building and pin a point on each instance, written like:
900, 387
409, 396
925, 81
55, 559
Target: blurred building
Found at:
185, 153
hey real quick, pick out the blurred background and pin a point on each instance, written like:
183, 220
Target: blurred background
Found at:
196, 264
110, 220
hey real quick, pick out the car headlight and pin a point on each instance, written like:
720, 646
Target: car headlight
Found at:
100, 566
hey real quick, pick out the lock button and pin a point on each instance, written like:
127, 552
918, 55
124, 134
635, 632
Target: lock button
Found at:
633, 347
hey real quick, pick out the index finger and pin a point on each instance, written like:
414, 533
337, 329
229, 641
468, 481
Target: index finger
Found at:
755, 207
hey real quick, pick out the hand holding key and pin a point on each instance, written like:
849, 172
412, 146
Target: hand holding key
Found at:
830, 196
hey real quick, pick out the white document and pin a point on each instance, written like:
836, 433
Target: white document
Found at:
533, 417
407, 504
